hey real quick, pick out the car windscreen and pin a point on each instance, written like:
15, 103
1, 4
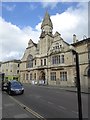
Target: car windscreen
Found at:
16, 84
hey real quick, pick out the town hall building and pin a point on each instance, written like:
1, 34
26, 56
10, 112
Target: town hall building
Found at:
52, 59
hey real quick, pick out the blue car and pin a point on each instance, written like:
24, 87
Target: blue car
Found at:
14, 87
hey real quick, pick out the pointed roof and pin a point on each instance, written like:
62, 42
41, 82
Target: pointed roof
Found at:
57, 34
46, 21
31, 42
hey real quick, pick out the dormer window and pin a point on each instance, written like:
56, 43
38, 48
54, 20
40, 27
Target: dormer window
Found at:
53, 48
60, 46
43, 30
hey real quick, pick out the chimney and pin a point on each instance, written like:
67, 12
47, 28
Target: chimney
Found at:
74, 38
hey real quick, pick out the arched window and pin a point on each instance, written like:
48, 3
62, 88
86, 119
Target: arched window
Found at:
29, 63
88, 73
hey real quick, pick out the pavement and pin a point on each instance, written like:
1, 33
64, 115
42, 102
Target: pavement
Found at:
74, 89
13, 110
0, 105
70, 89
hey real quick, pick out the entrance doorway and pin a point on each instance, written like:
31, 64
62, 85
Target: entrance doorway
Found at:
42, 76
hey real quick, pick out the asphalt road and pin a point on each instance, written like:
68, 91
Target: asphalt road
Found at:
0, 105
52, 102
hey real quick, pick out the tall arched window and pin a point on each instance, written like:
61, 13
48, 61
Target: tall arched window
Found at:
88, 73
29, 63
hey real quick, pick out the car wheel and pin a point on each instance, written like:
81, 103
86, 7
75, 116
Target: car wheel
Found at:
2, 89
9, 92
22, 92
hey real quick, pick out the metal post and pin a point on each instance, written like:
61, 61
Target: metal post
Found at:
78, 86
2, 80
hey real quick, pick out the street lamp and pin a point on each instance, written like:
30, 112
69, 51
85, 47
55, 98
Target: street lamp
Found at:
78, 85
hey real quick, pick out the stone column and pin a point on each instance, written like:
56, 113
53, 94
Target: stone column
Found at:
46, 76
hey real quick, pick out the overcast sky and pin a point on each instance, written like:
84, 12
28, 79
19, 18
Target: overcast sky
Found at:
21, 21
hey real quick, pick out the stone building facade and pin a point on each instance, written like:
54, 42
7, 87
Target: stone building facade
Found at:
11, 69
52, 59
83, 49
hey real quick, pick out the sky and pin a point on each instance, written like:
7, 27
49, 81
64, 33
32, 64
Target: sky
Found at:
21, 21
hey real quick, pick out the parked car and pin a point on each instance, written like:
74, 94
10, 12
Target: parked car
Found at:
14, 87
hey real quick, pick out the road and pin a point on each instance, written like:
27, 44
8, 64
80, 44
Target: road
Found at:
51, 102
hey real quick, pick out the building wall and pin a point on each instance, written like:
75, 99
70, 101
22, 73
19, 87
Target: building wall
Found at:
48, 47
82, 50
68, 65
11, 70
47, 69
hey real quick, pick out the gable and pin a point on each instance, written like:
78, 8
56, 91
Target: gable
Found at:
59, 45
31, 43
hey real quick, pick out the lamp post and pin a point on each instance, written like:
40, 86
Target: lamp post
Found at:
78, 85
2, 77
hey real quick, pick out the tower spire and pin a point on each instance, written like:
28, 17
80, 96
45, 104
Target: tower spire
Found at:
46, 21
46, 26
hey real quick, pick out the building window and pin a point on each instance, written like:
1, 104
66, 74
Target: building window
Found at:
53, 76
30, 76
62, 58
59, 59
52, 60
17, 71
23, 76
56, 59
29, 61
44, 61
89, 73
88, 53
15, 78
35, 76
60, 46
18, 65
6, 78
35, 62
63, 76
41, 62
74, 58
26, 76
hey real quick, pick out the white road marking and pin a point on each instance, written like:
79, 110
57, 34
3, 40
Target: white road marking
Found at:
50, 102
75, 112
62, 107
21, 116
37, 96
9, 104
28, 109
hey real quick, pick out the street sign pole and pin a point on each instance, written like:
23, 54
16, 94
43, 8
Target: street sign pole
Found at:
78, 86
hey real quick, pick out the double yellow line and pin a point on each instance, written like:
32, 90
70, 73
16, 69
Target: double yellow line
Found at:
28, 109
